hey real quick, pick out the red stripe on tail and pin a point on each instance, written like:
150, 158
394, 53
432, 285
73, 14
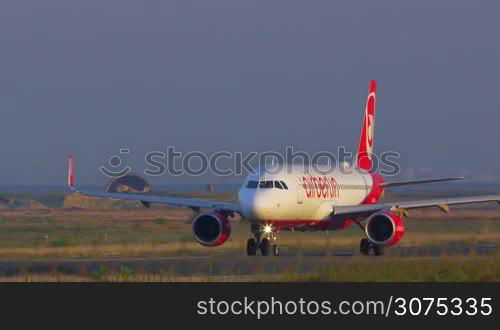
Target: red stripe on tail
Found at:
366, 140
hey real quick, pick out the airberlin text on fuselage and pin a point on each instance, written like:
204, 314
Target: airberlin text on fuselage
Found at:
320, 187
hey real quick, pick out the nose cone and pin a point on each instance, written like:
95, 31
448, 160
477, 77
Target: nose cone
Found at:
256, 205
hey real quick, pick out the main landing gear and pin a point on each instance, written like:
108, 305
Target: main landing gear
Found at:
365, 246
265, 241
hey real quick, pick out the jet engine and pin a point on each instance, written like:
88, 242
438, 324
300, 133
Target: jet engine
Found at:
385, 228
211, 229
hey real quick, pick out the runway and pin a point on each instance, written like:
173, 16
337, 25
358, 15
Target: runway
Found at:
232, 263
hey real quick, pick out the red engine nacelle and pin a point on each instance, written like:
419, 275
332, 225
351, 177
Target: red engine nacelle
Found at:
211, 229
385, 228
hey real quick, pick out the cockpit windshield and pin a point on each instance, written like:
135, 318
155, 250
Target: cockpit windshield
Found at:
252, 184
267, 185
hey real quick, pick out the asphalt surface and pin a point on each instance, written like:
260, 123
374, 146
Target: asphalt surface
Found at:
231, 263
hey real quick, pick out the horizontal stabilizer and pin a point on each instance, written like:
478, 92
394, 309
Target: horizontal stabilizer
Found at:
410, 182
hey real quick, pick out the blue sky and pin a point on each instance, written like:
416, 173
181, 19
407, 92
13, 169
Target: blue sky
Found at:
91, 77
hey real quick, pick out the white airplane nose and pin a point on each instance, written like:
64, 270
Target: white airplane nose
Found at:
256, 206
262, 209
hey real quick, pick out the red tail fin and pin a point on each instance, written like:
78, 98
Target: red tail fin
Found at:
71, 174
366, 141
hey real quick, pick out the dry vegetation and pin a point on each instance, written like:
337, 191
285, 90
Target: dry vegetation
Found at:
81, 227
358, 269
160, 231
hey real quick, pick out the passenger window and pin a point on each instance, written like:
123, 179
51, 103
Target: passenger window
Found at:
265, 184
277, 184
284, 185
252, 184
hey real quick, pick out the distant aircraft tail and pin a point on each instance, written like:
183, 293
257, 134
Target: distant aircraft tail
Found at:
71, 173
366, 140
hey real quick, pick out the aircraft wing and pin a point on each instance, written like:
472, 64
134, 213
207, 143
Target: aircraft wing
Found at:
411, 182
148, 199
174, 201
442, 203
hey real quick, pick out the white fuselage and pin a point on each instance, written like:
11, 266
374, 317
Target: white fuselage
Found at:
306, 195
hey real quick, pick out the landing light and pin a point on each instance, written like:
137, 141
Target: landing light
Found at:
268, 229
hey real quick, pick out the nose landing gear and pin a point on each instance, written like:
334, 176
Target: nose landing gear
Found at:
251, 247
269, 247
265, 240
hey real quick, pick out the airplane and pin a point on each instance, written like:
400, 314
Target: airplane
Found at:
300, 198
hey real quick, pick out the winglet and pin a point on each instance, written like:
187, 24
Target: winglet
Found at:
71, 173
